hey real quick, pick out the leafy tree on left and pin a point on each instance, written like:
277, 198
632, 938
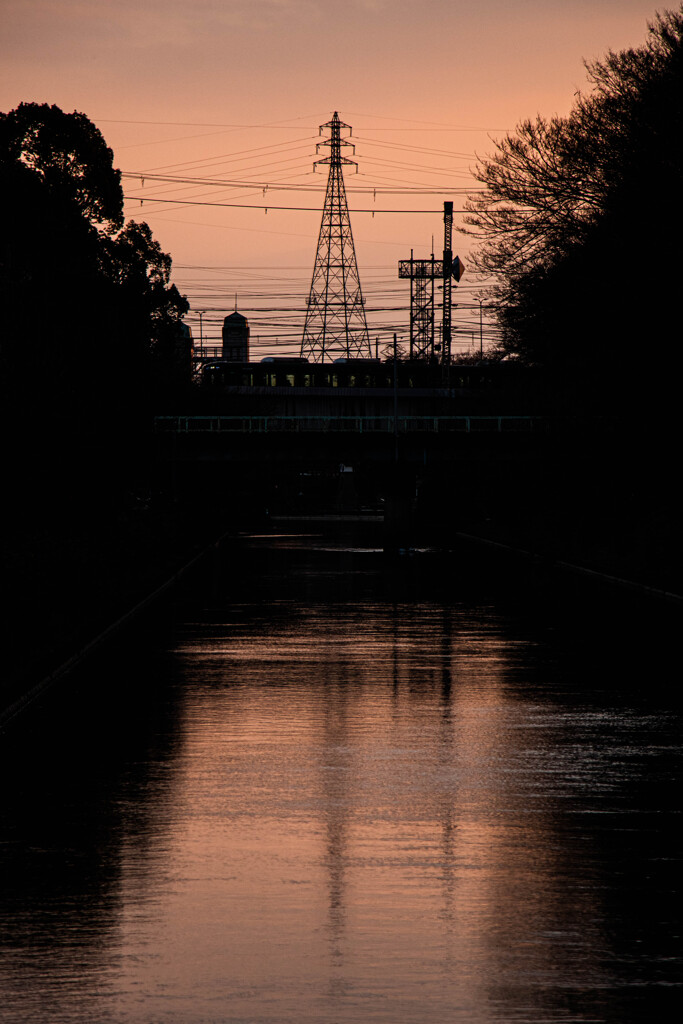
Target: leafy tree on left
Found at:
86, 302
68, 155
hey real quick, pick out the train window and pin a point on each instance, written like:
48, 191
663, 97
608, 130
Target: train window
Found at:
307, 380
289, 380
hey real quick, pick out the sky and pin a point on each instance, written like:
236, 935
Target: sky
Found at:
231, 94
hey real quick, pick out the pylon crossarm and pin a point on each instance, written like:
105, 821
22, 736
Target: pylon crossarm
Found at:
335, 142
341, 160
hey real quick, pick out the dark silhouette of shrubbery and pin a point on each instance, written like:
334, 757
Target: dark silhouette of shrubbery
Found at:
581, 220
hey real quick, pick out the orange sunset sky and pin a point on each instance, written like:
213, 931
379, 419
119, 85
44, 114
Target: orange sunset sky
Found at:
230, 94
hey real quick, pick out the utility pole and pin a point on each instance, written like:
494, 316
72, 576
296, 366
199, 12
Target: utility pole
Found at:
335, 316
395, 401
447, 270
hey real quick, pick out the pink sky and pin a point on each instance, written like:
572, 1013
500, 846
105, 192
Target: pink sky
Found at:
235, 91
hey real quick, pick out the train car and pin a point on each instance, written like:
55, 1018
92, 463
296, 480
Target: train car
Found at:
274, 371
295, 386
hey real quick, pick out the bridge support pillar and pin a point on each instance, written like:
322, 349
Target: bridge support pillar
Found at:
399, 512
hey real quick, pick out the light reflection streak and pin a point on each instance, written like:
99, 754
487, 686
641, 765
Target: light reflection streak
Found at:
368, 811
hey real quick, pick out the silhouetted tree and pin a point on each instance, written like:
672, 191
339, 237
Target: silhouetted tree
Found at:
87, 304
138, 265
68, 155
580, 219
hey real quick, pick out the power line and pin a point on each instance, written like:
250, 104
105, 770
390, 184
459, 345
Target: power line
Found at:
238, 153
293, 186
426, 126
405, 147
265, 206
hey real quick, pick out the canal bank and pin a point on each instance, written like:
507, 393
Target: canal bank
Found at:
75, 586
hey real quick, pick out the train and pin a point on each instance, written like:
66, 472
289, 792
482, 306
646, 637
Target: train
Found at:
290, 372
356, 387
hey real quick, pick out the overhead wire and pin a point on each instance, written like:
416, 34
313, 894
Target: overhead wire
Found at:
234, 154
222, 180
289, 186
425, 125
268, 206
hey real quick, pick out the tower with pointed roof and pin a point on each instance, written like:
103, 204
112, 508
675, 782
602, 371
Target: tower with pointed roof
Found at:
236, 338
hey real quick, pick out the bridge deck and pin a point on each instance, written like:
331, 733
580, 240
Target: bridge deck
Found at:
348, 424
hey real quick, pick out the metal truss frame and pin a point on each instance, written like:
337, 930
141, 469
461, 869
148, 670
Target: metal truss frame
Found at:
335, 316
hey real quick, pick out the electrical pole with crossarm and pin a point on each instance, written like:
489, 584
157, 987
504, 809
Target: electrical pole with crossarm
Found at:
422, 274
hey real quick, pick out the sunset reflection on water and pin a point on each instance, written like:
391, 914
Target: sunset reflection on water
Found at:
371, 810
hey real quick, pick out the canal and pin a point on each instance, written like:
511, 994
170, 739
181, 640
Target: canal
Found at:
336, 789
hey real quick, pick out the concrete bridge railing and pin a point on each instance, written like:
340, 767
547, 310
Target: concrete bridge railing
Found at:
349, 424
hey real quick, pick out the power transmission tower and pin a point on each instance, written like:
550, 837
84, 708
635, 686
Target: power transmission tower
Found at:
335, 316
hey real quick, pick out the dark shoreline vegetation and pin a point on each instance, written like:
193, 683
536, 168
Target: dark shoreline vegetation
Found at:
587, 299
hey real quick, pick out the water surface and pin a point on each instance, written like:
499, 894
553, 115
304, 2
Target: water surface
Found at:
343, 790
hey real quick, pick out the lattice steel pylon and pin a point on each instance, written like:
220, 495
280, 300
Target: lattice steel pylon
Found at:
335, 316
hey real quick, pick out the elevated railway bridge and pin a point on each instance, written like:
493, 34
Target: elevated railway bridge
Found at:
298, 462
408, 440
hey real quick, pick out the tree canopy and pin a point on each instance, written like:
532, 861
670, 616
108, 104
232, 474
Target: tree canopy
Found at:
90, 321
85, 299
579, 217
68, 155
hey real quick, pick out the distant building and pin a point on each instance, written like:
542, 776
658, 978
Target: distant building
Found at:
236, 338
